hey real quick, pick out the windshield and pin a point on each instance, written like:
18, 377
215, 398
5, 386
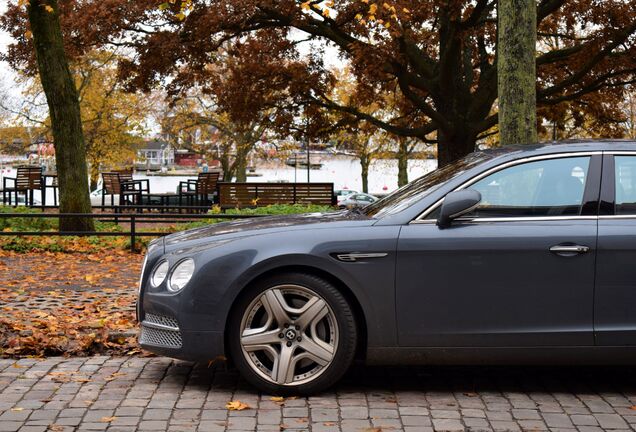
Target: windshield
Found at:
421, 187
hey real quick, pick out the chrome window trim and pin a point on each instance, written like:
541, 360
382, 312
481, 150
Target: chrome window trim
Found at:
513, 219
633, 216
621, 152
422, 217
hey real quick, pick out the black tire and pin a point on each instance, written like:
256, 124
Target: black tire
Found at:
345, 345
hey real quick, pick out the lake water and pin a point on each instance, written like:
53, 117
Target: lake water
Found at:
344, 172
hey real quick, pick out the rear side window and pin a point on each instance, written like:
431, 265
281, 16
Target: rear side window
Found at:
551, 187
625, 183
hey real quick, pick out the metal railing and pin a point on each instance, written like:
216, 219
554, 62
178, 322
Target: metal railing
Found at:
131, 218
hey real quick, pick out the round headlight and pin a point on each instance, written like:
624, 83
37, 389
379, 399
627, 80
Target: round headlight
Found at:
181, 275
159, 274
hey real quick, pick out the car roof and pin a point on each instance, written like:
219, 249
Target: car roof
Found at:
560, 147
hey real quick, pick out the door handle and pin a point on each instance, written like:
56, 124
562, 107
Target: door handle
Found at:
569, 249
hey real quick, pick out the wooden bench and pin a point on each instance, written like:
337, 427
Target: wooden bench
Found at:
28, 179
197, 192
237, 195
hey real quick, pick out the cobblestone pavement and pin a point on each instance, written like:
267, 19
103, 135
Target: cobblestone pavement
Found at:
133, 393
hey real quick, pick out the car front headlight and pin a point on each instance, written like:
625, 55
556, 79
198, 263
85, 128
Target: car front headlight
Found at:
159, 274
181, 274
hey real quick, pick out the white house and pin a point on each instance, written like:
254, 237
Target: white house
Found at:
154, 154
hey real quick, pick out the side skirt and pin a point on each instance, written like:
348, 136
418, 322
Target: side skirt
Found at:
502, 356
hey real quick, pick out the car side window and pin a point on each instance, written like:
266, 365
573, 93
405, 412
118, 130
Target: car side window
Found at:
551, 187
625, 185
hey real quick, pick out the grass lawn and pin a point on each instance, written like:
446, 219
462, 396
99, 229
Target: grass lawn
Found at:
91, 244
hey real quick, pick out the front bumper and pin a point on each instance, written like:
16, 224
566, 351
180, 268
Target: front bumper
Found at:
161, 335
188, 324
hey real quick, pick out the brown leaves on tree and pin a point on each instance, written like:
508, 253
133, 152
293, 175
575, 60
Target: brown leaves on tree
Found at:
439, 56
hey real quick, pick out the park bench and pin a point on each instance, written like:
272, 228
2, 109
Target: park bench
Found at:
126, 177
27, 180
114, 183
237, 195
199, 191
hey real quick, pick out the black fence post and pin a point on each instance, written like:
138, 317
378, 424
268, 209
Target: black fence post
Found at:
132, 232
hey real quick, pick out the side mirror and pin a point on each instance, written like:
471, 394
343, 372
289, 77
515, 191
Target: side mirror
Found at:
456, 204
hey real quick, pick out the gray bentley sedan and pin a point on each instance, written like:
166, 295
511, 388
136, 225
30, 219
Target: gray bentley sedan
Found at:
521, 255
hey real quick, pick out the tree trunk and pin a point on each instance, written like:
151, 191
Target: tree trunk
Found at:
516, 71
403, 162
241, 170
453, 146
364, 164
64, 109
94, 176
226, 163
226, 167
240, 165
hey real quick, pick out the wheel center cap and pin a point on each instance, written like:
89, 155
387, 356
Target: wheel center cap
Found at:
290, 334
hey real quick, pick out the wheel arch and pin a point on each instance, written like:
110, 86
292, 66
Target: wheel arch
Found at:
360, 316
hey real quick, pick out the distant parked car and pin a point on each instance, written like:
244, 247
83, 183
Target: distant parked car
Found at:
341, 194
357, 200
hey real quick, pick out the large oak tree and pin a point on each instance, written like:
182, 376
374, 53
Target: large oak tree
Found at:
66, 122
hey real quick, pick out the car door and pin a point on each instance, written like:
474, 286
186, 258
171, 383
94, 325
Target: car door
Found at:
518, 271
615, 293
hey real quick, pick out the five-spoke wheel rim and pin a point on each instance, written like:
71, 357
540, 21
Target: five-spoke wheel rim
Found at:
289, 335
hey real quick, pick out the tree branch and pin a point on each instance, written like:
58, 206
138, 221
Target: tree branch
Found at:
420, 132
620, 36
481, 8
597, 84
546, 7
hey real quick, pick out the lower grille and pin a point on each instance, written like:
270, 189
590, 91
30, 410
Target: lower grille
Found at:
160, 337
161, 320
160, 330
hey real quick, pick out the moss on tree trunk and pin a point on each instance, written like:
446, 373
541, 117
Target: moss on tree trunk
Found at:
516, 71
64, 109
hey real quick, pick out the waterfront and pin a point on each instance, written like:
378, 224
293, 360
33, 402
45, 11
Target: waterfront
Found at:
344, 172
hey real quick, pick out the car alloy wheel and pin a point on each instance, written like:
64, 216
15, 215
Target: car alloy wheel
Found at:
289, 335
292, 333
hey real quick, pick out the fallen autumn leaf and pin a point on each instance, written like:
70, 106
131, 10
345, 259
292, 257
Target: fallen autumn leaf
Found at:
236, 406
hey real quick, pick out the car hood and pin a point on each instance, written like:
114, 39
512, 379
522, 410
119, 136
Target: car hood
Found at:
265, 225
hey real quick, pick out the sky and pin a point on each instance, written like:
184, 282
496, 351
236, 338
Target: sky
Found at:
7, 75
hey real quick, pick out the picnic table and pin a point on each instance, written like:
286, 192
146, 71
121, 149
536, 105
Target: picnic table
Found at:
161, 200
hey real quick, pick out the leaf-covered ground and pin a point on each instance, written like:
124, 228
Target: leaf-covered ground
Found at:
68, 303
76, 295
